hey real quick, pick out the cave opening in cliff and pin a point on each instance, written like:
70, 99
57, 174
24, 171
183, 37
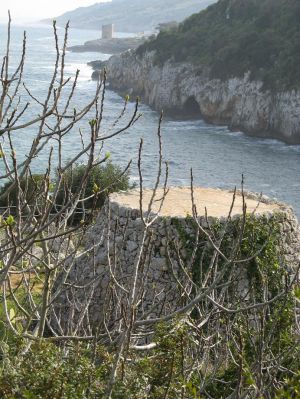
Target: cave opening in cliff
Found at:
191, 108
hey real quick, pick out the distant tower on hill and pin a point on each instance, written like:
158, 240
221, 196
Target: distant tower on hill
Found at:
108, 31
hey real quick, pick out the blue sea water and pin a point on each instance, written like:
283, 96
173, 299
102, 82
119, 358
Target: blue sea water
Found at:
218, 156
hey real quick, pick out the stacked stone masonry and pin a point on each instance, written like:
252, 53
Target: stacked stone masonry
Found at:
116, 239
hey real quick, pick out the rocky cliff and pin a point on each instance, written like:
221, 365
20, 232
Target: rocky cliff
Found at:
240, 103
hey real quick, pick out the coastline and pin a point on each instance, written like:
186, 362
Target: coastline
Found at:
108, 46
238, 103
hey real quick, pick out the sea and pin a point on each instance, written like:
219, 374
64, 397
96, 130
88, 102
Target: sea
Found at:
218, 157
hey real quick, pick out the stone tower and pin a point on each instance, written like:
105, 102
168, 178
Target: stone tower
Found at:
107, 31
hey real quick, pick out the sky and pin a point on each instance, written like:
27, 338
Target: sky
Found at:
34, 10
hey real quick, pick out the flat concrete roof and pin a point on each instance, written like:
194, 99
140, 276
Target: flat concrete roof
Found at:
178, 202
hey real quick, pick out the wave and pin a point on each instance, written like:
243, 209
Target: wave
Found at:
85, 71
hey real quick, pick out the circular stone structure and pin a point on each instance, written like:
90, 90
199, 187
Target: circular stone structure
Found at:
216, 202
162, 255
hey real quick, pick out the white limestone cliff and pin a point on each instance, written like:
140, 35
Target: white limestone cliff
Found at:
240, 103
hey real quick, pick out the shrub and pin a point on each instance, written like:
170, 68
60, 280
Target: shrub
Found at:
234, 37
29, 186
101, 181
46, 372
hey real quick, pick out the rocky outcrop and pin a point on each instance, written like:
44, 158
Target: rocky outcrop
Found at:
109, 46
240, 103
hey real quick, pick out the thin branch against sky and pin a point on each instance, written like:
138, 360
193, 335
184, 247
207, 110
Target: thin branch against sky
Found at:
37, 9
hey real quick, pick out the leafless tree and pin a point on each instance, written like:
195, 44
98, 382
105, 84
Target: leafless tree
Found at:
32, 219
40, 249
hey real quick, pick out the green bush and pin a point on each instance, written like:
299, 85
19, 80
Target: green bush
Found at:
101, 181
46, 372
291, 390
82, 370
29, 185
232, 37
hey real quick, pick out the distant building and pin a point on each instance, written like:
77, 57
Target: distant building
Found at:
108, 31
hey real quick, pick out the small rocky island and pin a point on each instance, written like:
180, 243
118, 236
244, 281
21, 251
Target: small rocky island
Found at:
109, 46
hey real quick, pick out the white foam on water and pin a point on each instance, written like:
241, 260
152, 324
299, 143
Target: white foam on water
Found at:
43, 39
84, 74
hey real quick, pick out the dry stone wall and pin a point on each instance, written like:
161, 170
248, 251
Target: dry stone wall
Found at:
163, 283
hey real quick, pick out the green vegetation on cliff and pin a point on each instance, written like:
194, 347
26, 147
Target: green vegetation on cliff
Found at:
232, 37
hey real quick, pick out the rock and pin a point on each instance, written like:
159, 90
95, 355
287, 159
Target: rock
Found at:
96, 65
163, 251
101, 257
131, 246
96, 75
37, 255
119, 239
164, 241
183, 254
61, 245
158, 263
107, 46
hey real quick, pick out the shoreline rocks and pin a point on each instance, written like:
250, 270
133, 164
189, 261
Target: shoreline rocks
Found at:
108, 46
184, 89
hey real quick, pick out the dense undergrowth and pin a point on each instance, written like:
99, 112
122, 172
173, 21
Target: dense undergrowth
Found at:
101, 181
52, 371
254, 351
232, 37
